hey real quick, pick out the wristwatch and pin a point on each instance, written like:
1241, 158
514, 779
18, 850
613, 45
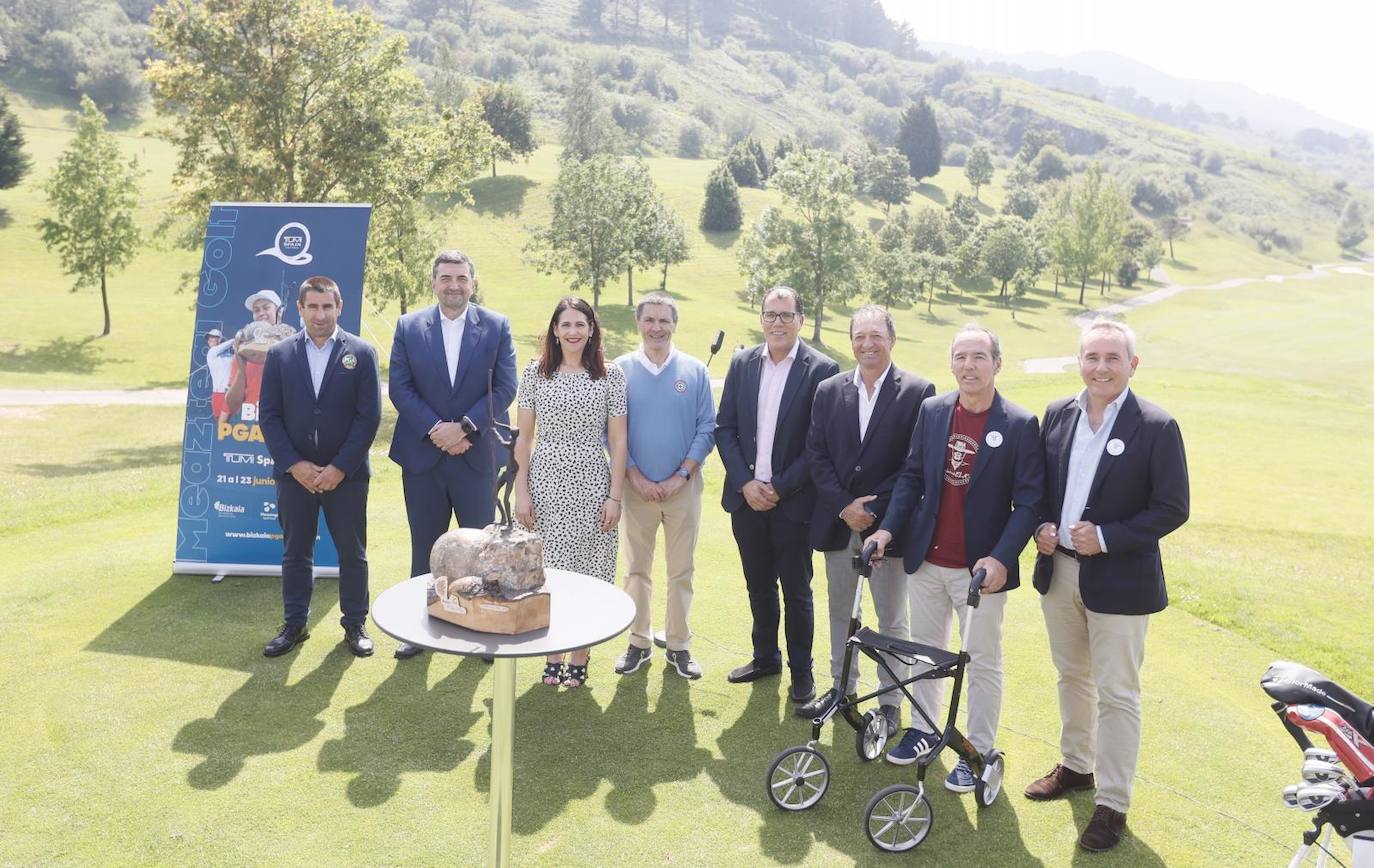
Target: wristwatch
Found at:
684, 473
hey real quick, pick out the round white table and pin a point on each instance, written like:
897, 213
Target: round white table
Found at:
583, 611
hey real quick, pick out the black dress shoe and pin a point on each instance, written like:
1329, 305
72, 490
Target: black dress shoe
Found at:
803, 688
405, 651
751, 671
358, 641
288, 638
818, 706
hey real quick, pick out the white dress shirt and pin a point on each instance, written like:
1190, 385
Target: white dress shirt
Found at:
318, 358
866, 403
771, 382
1084, 456
644, 361
453, 340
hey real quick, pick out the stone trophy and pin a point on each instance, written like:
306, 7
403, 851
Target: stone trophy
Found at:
490, 580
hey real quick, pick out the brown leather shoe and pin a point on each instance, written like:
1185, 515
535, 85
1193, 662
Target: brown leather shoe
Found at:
1104, 829
1059, 783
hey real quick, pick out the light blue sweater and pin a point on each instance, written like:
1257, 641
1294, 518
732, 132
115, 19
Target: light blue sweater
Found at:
672, 414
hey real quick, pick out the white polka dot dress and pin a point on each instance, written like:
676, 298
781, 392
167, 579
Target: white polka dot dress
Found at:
570, 474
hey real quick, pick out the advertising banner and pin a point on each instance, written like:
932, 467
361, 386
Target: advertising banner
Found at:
255, 258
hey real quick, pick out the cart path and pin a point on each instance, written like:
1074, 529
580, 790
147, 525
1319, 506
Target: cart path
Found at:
1057, 364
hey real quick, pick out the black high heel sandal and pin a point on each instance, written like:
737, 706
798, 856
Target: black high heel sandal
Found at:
577, 675
554, 671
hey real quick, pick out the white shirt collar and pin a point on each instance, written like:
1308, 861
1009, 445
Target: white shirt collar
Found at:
453, 320
648, 365
311, 341
791, 354
877, 386
1114, 405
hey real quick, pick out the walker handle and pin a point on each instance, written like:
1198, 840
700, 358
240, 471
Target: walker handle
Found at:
975, 587
863, 561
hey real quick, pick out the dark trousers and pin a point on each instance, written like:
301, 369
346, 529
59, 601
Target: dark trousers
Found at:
452, 488
345, 512
773, 549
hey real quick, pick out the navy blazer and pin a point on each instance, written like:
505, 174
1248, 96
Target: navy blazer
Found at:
419, 387
842, 466
1136, 498
737, 428
337, 427
1004, 493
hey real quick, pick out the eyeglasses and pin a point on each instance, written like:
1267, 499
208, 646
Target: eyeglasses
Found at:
787, 316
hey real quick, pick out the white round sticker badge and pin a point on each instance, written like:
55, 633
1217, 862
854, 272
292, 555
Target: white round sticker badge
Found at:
994, 439
1115, 446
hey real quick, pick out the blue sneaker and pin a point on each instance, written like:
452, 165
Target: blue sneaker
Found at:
915, 744
960, 780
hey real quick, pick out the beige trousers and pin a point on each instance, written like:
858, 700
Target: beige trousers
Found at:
1098, 657
680, 517
936, 593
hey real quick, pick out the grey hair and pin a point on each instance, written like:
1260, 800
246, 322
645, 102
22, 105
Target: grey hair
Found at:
784, 292
453, 257
974, 328
1116, 327
873, 310
662, 298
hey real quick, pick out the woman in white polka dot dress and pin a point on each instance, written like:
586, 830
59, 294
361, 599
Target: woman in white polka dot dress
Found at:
567, 491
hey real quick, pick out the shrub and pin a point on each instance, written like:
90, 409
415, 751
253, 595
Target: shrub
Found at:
721, 212
1213, 163
742, 166
956, 154
691, 139
1050, 164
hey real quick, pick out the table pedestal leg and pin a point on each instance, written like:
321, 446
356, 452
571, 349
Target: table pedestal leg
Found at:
502, 757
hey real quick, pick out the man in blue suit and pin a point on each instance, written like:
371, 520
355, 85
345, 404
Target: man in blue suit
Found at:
321, 403
966, 500
444, 361
1116, 482
761, 427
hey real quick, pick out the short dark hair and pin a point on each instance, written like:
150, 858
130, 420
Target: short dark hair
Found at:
455, 257
785, 292
319, 283
662, 298
873, 310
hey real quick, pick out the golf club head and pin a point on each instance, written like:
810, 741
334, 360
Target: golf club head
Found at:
1290, 796
1315, 771
1312, 797
1317, 753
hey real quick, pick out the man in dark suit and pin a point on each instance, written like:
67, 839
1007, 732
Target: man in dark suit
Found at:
1116, 482
443, 361
765, 412
321, 403
861, 421
966, 500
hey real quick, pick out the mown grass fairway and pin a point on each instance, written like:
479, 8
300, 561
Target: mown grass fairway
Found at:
144, 726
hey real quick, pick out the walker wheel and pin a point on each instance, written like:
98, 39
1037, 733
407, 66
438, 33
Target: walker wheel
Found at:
871, 738
989, 783
798, 778
898, 818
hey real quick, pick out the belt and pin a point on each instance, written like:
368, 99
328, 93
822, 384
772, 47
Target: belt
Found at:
1065, 550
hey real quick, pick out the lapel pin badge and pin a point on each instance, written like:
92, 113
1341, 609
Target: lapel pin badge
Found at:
349, 361
1115, 446
994, 439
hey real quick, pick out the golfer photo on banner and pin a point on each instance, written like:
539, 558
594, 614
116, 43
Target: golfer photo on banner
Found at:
255, 258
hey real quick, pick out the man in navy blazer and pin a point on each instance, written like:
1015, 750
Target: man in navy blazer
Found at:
861, 422
761, 426
966, 500
1116, 482
321, 403
444, 361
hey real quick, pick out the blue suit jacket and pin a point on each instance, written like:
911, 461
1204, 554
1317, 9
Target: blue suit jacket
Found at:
419, 387
844, 468
737, 421
1136, 498
1004, 493
336, 428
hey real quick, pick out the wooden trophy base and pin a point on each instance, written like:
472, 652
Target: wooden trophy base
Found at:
485, 614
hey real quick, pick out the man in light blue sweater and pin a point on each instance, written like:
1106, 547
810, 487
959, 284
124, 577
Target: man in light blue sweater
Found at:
672, 428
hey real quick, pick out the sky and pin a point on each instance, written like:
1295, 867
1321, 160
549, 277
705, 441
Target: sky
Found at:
1318, 52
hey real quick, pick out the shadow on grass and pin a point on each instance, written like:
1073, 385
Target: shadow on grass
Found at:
1131, 850
104, 460
722, 240
57, 356
6, 219
501, 196
933, 193
405, 726
619, 334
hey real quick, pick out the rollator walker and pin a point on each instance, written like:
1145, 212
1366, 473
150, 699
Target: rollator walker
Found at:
898, 817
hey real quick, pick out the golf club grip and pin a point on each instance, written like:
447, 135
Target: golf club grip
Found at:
975, 587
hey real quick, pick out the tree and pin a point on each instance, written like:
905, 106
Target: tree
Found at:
1170, 228
1005, 249
588, 128
1350, 231
1084, 213
665, 244
507, 112
94, 192
978, 169
1151, 254
721, 212
743, 167
14, 163
1050, 164
887, 179
1022, 199
892, 266
918, 138
760, 157
399, 241
589, 14
809, 244
691, 139
595, 223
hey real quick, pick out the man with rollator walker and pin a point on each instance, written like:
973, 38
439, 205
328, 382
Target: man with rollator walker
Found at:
966, 500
